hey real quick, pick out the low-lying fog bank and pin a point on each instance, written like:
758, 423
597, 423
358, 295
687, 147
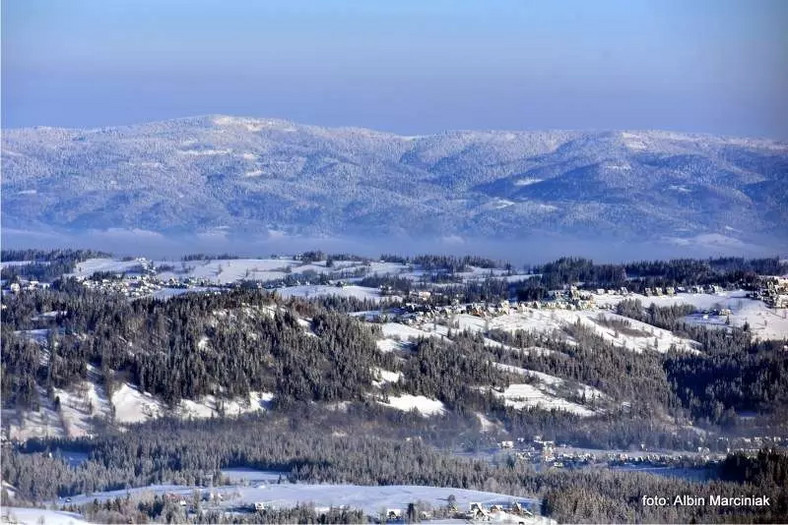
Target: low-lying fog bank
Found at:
533, 249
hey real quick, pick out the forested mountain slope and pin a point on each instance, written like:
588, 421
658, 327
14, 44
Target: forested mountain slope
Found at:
218, 173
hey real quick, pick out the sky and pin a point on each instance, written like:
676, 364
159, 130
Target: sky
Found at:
715, 66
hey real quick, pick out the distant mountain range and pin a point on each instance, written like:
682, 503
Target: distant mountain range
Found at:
242, 175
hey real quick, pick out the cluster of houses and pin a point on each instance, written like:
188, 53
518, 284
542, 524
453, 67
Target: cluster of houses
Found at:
752, 445
548, 454
132, 287
419, 306
502, 512
534, 451
28, 286
671, 290
773, 292
412, 313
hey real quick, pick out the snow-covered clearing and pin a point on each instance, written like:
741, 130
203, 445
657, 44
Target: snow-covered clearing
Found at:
359, 292
553, 385
521, 395
83, 406
209, 406
487, 425
383, 268
370, 499
223, 271
550, 321
405, 332
133, 406
38, 335
23, 424
385, 376
31, 516
765, 322
80, 405
424, 405
388, 345
102, 264
6, 264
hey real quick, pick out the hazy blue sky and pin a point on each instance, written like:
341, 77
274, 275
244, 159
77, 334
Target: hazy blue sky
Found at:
408, 66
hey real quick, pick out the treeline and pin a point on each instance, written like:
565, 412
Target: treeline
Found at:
489, 289
167, 451
637, 276
448, 263
452, 264
583, 497
35, 255
44, 266
453, 372
159, 509
669, 317
207, 257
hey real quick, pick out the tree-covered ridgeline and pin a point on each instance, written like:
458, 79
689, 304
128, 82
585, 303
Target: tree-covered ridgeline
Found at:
232, 343
637, 276
225, 344
43, 265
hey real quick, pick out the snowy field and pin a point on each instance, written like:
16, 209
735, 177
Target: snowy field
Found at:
523, 395
424, 405
208, 406
371, 499
80, 405
253, 476
383, 376
223, 271
402, 332
548, 322
553, 383
316, 290
133, 406
28, 516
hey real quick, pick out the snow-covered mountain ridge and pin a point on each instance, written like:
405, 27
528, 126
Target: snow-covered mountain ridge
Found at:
250, 175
